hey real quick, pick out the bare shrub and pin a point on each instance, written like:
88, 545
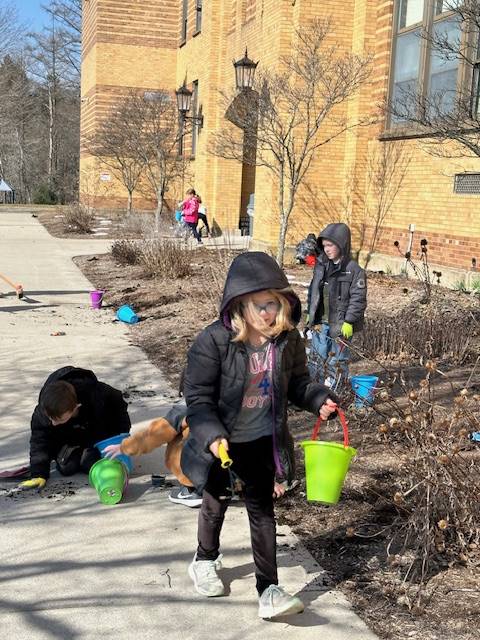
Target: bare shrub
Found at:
78, 219
165, 258
217, 269
438, 331
126, 251
138, 225
435, 493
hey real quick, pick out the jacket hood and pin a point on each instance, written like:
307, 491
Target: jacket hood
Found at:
70, 374
255, 271
338, 233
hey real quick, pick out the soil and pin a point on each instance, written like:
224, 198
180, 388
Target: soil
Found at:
105, 226
350, 539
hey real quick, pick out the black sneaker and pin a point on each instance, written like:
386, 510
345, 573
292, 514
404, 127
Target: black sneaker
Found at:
186, 496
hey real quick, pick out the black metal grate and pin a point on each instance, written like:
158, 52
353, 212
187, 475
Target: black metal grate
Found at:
468, 183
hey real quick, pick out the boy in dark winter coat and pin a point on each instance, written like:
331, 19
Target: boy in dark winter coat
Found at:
242, 371
74, 412
337, 298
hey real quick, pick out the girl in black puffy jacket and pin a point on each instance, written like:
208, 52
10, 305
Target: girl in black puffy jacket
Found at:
242, 370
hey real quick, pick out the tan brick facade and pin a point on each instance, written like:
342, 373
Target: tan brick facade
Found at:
137, 43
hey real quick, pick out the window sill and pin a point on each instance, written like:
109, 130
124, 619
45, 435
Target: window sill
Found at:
182, 44
403, 134
196, 33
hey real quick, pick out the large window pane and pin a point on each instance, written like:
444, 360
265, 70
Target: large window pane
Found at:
442, 81
410, 12
406, 71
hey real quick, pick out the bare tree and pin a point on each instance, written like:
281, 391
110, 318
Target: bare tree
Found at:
291, 113
116, 143
446, 117
158, 145
11, 29
20, 118
51, 67
139, 139
385, 171
68, 17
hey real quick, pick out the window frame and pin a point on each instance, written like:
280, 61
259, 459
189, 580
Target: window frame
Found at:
406, 129
198, 16
184, 23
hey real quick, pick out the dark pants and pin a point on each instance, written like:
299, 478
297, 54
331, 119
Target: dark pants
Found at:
203, 218
253, 463
72, 459
193, 227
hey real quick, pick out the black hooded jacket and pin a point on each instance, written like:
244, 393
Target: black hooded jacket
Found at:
347, 285
103, 414
217, 372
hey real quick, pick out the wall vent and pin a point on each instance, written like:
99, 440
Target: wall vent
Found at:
467, 183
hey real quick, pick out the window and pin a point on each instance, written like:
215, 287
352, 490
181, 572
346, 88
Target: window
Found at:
424, 76
183, 32
194, 114
475, 106
198, 16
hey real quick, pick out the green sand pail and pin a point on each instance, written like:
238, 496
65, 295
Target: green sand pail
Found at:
326, 465
108, 477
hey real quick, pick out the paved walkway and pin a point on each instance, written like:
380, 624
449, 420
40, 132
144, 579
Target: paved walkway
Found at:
72, 568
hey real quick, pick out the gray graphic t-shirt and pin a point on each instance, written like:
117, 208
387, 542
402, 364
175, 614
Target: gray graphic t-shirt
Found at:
255, 418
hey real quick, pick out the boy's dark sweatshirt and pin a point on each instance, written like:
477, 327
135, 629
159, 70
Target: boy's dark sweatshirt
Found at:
347, 285
103, 414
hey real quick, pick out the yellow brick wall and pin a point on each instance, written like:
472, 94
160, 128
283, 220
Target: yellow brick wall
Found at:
137, 44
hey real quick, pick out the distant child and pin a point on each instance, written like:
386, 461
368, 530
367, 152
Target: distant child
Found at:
189, 209
74, 411
337, 299
241, 373
202, 215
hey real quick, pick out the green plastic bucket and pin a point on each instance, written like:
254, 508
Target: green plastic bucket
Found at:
326, 465
109, 478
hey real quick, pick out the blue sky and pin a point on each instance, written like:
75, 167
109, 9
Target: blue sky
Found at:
30, 12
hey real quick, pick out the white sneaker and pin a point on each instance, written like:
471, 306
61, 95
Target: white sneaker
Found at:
274, 602
205, 578
185, 495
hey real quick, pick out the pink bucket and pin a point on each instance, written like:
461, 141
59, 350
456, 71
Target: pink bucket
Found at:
96, 298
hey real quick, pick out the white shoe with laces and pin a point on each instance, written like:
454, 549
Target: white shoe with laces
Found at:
205, 578
274, 602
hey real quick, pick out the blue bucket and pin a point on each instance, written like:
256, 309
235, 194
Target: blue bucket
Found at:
127, 461
127, 314
364, 389
178, 216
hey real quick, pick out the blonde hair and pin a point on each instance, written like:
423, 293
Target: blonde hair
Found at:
283, 319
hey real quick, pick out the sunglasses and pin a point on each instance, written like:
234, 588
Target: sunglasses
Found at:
271, 307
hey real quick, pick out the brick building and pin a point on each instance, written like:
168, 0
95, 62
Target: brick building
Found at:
157, 44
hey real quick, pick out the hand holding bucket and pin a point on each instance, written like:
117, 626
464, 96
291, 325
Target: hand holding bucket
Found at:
327, 464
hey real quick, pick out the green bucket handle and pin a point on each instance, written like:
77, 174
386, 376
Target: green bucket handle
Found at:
344, 423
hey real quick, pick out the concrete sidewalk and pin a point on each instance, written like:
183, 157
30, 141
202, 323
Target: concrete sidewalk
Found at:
73, 568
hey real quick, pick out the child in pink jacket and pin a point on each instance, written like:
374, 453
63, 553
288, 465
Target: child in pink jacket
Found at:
190, 213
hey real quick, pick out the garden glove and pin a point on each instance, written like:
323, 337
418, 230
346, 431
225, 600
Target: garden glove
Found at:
347, 330
34, 483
